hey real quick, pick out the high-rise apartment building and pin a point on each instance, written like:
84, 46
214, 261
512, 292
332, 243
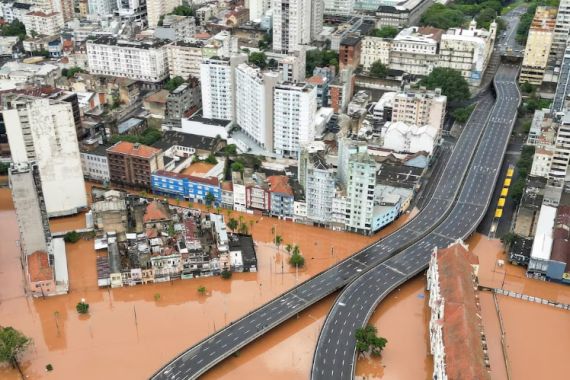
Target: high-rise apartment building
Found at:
338, 7
257, 8
360, 193
563, 87
538, 45
375, 49
561, 30
415, 50
138, 60
184, 59
46, 24
30, 208
294, 110
157, 8
217, 77
254, 103
317, 177
419, 108
43, 131
133, 11
317, 14
559, 173
102, 7
291, 24
177, 28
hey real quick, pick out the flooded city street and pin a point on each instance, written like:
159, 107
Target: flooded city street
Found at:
133, 331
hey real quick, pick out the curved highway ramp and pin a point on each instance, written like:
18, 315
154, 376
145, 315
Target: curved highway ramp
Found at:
335, 354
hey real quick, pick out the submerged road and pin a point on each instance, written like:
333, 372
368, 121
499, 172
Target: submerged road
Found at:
335, 355
215, 348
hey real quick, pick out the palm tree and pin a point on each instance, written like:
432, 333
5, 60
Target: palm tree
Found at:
251, 223
289, 248
278, 241
296, 250
232, 224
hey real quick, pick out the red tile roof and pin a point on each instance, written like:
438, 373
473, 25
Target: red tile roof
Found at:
135, 150
316, 80
38, 267
227, 186
213, 181
156, 210
279, 184
461, 322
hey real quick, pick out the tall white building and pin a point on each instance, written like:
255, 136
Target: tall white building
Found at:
132, 11
559, 173
102, 7
257, 8
338, 7
291, 24
157, 8
139, 60
561, 30
184, 59
317, 14
217, 77
41, 23
43, 131
317, 177
294, 110
254, 103
360, 193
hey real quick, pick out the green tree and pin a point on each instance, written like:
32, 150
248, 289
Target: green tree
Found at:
226, 274
82, 307
440, 16
461, 115
211, 159
202, 290
230, 150
379, 70
451, 82
70, 73
278, 241
210, 198
297, 260
320, 58
527, 88
16, 28
173, 83
183, 10
72, 237
232, 224
385, 32
259, 59
508, 239
368, 341
289, 248
4, 166
237, 167
12, 345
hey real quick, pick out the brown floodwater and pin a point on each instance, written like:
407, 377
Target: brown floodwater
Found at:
134, 331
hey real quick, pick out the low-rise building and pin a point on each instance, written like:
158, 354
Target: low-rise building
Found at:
455, 321
184, 186
176, 28
282, 199
94, 164
415, 50
349, 52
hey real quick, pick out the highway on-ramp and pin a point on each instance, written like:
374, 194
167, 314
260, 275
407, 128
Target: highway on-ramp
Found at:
335, 354
210, 351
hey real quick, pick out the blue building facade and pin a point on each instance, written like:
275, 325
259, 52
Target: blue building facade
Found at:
281, 205
194, 189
